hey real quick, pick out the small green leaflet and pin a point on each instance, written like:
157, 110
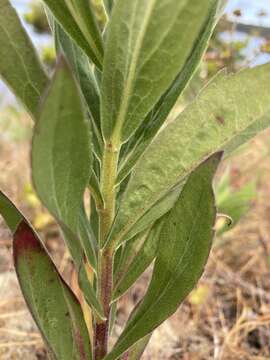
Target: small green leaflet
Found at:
143, 56
20, 67
62, 14
53, 305
184, 245
223, 110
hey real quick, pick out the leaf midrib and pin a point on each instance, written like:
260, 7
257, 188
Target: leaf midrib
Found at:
132, 72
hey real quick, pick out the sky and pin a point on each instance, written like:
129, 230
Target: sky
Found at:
249, 8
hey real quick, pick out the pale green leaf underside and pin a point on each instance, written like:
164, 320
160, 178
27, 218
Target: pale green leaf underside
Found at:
20, 67
54, 307
226, 108
148, 43
184, 244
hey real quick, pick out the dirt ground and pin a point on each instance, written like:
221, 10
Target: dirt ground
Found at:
227, 317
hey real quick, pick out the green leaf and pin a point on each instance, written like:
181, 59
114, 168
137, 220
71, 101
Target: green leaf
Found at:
10, 213
61, 151
82, 70
88, 239
89, 292
222, 111
162, 109
183, 250
83, 242
62, 14
61, 163
95, 191
137, 350
20, 67
246, 135
148, 43
138, 261
53, 305
86, 79
155, 212
83, 13
28, 265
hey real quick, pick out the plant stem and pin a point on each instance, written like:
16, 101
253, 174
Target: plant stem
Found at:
105, 258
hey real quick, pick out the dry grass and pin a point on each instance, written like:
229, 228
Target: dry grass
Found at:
228, 315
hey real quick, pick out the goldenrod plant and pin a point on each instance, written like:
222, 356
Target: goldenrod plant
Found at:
100, 124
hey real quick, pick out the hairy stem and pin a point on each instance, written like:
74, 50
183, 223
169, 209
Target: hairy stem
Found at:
105, 258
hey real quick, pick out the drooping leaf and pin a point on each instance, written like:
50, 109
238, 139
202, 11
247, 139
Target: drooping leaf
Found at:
224, 109
20, 67
159, 114
62, 14
148, 43
53, 305
138, 262
185, 241
39, 280
61, 162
